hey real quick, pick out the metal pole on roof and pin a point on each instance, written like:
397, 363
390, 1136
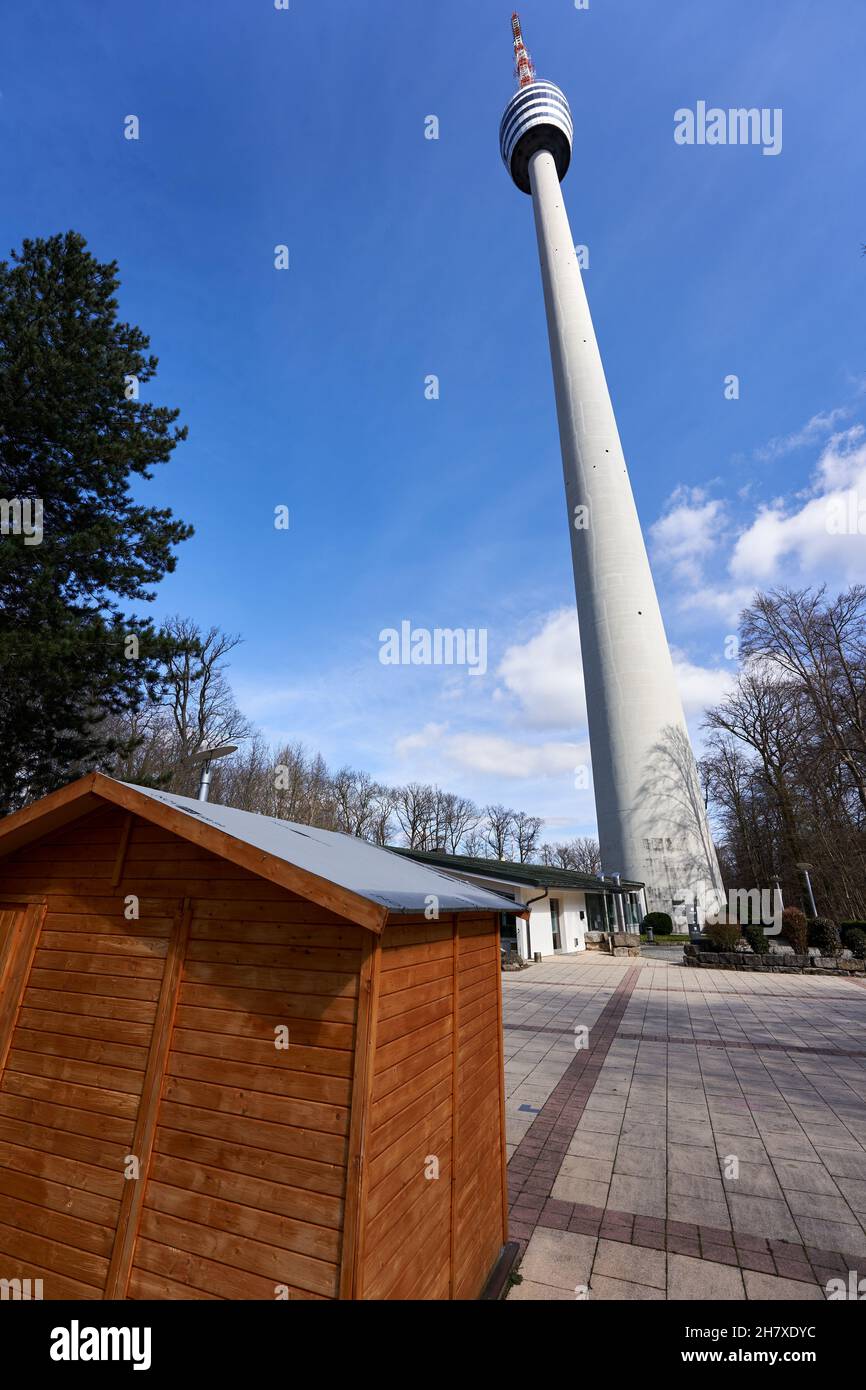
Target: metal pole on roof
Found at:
204, 783
206, 756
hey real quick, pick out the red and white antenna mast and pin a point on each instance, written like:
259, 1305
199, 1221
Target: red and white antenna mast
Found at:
524, 70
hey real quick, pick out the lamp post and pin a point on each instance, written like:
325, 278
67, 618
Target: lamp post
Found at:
206, 756
778, 900
807, 883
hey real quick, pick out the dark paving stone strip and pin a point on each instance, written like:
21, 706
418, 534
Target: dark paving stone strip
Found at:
740, 1042
535, 1163
784, 1258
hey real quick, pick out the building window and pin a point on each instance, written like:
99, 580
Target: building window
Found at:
508, 937
595, 910
555, 916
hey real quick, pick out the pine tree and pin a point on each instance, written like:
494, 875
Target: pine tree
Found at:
74, 437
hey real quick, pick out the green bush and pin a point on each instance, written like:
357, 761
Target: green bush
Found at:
855, 941
661, 923
724, 936
795, 929
825, 935
846, 927
757, 940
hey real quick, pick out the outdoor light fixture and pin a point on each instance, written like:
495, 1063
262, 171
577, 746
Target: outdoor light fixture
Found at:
206, 756
810, 897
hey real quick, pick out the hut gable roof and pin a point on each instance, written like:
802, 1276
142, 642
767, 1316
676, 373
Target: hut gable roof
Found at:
362, 882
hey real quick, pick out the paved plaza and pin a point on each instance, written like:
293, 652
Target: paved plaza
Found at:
708, 1141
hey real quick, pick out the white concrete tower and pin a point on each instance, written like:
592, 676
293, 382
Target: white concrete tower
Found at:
652, 822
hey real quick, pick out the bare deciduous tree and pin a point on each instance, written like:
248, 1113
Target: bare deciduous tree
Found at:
785, 766
525, 833
414, 811
581, 855
198, 694
498, 830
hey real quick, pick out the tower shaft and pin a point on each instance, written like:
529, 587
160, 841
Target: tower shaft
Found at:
651, 818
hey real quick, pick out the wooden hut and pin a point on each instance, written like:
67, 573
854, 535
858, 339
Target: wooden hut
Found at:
242, 1059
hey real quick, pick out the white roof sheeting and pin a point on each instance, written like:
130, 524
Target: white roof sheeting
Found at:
391, 880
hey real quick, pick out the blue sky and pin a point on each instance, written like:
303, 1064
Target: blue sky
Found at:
411, 256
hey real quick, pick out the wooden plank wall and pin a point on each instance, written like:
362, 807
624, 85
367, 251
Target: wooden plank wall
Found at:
479, 1212
246, 1180
405, 1241
73, 1077
436, 1094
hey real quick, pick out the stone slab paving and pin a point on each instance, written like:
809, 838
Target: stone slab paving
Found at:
709, 1143
543, 1003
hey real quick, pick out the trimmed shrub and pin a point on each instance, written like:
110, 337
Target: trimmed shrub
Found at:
855, 941
724, 936
846, 927
661, 923
825, 935
757, 940
795, 929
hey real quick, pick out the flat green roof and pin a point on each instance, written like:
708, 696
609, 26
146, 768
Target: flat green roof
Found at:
534, 875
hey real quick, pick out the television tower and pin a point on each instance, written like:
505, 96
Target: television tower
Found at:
652, 821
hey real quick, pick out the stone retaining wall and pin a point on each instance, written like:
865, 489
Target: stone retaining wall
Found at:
621, 944
787, 963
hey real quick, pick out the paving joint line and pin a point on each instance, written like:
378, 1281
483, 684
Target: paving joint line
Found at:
741, 1042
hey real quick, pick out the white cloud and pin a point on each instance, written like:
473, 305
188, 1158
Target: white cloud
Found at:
545, 677
813, 534
819, 425
842, 459
700, 686
493, 754
686, 533
810, 541
423, 738
725, 602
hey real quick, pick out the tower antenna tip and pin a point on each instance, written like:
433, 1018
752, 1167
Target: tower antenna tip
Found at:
524, 69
